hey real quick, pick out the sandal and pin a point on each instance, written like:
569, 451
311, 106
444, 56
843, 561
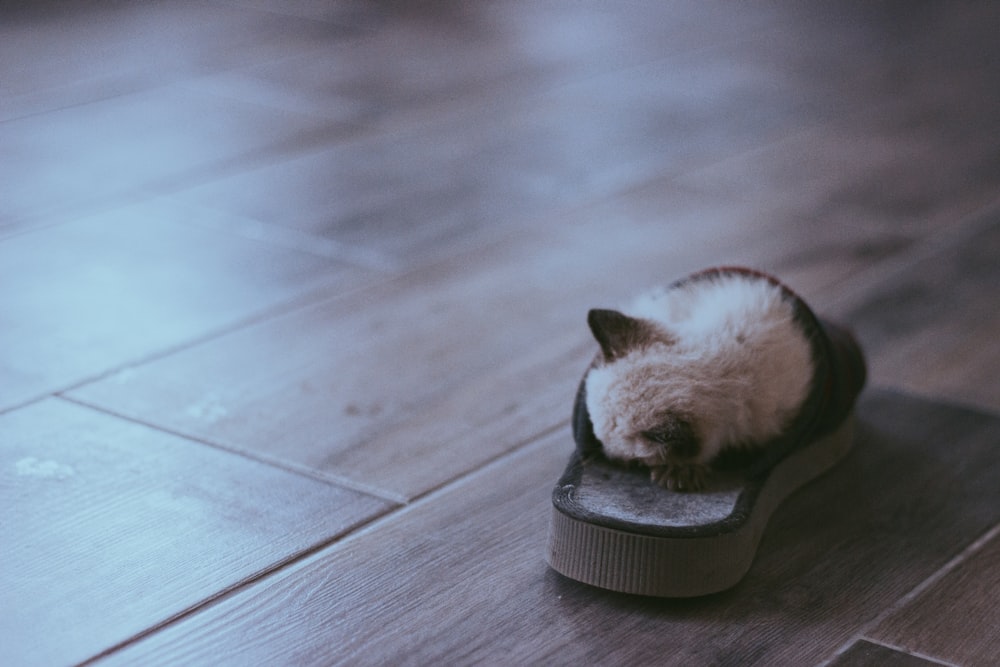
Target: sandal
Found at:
614, 528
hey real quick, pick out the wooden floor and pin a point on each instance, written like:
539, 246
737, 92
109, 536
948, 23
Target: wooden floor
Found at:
292, 311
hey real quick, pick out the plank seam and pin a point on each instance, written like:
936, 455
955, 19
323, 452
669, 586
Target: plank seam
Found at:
915, 592
301, 471
232, 589
915, 654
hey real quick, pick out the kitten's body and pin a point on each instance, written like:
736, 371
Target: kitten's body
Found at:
690, 371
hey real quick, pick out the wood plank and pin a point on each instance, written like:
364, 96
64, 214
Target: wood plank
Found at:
353, 373
405, 201
352, 14
460, 577
588, 37
482, 122
956, 619
853, 173
867, 654
411, 383
136, 145
931, 325
455, 151
111, 528
86, 297
59, 54
414, 193
394, 69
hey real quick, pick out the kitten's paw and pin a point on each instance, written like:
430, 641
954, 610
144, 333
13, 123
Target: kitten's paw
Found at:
685, 477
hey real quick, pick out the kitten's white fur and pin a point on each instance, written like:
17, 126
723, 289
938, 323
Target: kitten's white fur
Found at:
733, 362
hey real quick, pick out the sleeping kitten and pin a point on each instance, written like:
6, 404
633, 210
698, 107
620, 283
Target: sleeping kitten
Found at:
690, 371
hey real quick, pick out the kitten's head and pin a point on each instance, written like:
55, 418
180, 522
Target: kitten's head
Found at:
640, 410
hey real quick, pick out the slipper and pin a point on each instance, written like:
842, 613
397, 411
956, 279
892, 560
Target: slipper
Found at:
615, 528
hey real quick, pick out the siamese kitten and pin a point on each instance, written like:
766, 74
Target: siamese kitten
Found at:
692, 370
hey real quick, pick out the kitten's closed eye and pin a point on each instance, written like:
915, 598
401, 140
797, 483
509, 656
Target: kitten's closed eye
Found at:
676, 436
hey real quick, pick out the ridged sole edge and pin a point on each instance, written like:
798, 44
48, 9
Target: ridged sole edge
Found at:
640, 564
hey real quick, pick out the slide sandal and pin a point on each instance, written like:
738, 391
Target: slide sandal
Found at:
614, 528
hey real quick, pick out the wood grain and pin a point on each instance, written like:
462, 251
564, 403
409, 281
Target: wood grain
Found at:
461, 579
201, 203
931, 326
452, 150
956, 619
413, 192
867, 654
405, 201
411, 383
137, 145
359, 382
48, 48
851, 179
111, 528
88, 296
497, 39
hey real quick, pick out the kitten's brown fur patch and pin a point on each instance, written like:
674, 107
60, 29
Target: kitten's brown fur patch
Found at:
618, 334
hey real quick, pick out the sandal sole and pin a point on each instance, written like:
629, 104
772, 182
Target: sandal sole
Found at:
707, 547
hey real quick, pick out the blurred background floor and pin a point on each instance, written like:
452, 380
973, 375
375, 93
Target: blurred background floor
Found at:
292, 311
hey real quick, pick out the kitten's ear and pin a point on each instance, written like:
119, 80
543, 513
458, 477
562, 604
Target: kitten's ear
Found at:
618, 333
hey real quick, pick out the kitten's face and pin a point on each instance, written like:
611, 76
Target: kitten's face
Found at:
639, 412
638, 417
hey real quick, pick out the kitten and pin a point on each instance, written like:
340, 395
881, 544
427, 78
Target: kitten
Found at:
709, 364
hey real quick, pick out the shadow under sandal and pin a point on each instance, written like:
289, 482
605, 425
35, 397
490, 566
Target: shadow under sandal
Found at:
612, 527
